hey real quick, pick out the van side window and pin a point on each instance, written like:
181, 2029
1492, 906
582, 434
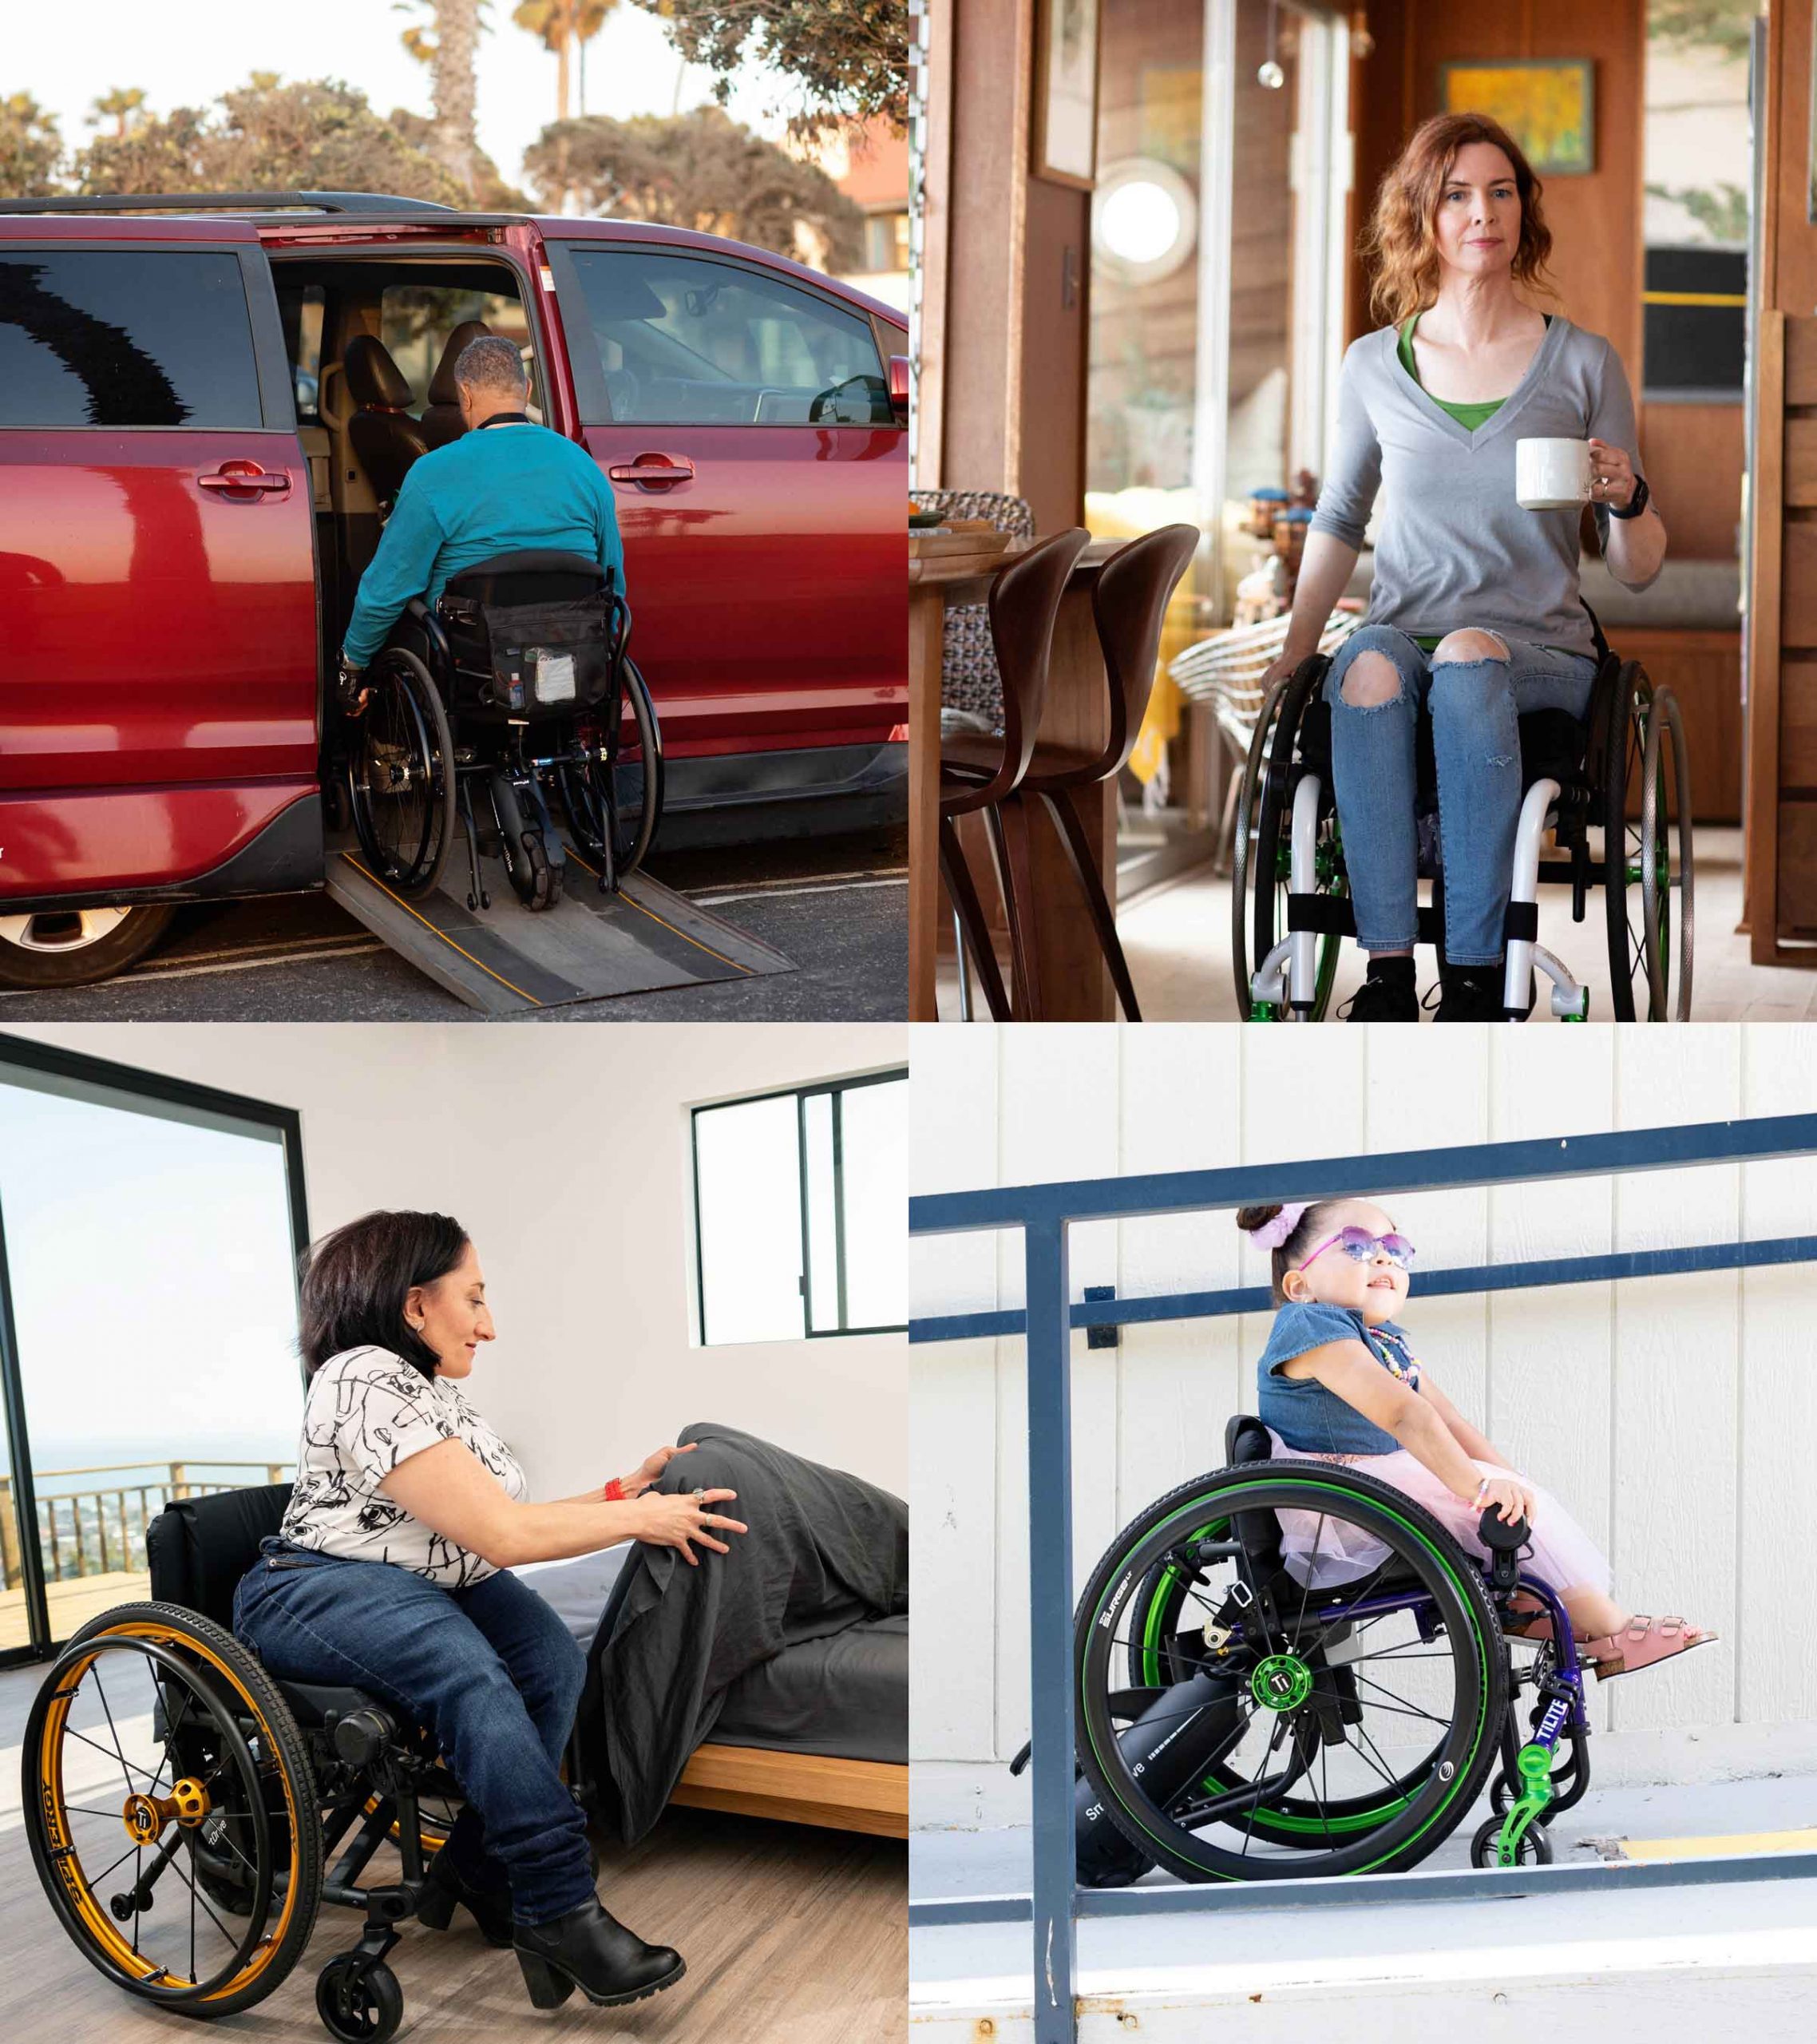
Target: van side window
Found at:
125, 338
686, 341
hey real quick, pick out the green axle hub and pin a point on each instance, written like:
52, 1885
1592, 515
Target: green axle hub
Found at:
1281, 1682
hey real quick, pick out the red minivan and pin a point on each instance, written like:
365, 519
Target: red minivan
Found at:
195, 466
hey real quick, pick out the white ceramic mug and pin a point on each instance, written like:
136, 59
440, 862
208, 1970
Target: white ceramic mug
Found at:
1551, 475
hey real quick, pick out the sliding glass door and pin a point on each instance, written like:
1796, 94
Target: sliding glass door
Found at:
149, 1232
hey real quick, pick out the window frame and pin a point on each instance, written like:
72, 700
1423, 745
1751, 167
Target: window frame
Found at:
801, 1094
589, 375
277, 397
21, 1054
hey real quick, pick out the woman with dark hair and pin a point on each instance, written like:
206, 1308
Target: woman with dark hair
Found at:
1474, 608
391, 1573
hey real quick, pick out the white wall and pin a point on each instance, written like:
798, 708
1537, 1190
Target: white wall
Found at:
1675, 1416
565, 1154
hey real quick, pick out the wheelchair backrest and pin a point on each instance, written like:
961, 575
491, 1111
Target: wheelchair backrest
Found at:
198, 1548
533, 575
1246, 1439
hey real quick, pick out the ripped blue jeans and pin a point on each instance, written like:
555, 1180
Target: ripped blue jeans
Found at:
1473, 705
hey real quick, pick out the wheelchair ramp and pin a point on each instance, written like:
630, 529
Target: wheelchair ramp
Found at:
504, 961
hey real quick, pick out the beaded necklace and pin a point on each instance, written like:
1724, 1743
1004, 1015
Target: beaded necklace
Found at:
1395, 1356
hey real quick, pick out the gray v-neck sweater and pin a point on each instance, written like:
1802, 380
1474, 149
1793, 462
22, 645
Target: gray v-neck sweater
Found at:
1453, 548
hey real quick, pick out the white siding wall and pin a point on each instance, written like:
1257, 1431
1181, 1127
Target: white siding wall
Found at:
1675, 1416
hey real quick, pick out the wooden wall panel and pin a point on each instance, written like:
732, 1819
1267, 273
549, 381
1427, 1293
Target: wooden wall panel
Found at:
1704, 670
1693, 459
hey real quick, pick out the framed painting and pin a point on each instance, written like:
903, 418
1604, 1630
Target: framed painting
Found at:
1065, 91
1547, 103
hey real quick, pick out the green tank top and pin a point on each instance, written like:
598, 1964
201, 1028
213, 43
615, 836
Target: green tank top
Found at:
1469, 416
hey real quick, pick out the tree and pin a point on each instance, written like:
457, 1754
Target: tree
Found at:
1723, 24
314, 135
119, 106
489, 190
698, 170
850, 57
451, 54
30, 148
563, 25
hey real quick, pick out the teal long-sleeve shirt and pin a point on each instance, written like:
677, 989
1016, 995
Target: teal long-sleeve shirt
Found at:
494, 490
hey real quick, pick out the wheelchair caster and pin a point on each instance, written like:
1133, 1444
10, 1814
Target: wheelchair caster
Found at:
1534, 1848
358, 2001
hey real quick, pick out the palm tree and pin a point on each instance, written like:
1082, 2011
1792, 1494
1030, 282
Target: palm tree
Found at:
563, 24
119, 106
451, 53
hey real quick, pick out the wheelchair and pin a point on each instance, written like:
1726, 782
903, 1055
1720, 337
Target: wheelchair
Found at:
1235, 1723
1621, 773
453, 709
232, 1788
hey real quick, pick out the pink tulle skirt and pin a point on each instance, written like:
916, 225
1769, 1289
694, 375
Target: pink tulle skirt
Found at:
1564, 1555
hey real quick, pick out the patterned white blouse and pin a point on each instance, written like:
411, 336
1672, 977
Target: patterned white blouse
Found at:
367, 1411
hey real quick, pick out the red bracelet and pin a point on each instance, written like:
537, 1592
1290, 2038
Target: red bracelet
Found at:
615, 1492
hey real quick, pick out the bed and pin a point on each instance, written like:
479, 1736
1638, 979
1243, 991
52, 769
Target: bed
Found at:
818, 1734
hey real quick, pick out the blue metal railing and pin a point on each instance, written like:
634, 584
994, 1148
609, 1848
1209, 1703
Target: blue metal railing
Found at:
1044, 1214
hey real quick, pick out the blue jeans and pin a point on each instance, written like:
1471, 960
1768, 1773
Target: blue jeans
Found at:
490, 1672
1476, 746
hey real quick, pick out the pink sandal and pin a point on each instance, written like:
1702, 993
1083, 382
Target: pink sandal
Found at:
1639, 1643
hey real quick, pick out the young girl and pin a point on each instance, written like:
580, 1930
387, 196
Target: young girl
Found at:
1338, 1383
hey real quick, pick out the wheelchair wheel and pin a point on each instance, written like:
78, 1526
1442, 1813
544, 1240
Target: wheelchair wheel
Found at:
1261, 850
1532, 1848
162, 1768
1647, 897
400, 775
614, 804
358, 2002
1284, 1729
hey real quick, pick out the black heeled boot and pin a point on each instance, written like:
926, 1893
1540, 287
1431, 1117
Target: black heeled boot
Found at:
443, 1887
589, 1949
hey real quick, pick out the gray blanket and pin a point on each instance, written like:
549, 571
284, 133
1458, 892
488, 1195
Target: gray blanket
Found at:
825, 1551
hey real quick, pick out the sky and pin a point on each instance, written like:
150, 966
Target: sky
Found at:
631, 67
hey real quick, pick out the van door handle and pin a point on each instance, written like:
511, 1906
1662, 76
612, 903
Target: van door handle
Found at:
653, 471
233, 476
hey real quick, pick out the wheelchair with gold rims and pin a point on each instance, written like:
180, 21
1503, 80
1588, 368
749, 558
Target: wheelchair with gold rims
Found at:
182, 1803
1605, 803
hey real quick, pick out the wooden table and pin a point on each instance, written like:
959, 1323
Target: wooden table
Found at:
1075, 986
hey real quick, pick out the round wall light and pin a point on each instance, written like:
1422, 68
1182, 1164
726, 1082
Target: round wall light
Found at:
1144, 219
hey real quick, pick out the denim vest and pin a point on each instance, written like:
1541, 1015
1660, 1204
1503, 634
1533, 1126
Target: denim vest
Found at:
1300, 1408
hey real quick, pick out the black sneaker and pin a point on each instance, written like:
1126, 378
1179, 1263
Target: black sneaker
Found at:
1389, 994
1471, 993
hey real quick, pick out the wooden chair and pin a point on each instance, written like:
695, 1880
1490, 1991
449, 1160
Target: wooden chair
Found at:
981, 770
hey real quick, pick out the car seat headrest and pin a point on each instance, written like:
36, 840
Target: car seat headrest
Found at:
373, 378
442, 388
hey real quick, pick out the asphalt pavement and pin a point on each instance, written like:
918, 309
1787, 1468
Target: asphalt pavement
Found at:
837, 907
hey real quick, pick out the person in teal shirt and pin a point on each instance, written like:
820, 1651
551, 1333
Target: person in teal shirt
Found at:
505, 484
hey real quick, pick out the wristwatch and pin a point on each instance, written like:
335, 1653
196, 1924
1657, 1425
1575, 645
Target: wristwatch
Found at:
1637, 505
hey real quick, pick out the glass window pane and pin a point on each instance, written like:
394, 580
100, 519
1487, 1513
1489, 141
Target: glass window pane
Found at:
415, 321
119, 337
874, 1170
155, 1305
692, 342
823, 1218
747, 1182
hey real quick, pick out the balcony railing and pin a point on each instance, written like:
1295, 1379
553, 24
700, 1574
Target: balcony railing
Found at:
101, 1529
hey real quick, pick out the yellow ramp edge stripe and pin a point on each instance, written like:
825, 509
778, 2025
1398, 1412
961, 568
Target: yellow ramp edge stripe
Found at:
1704, 1849
749, 971
1693, 298
443, 933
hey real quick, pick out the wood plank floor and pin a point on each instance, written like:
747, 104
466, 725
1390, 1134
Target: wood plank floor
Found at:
792, 1936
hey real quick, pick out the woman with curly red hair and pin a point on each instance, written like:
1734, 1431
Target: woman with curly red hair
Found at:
1474, 611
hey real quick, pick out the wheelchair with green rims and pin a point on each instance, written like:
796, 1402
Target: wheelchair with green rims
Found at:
182, 1805
1611, 791
515, 692
1245, 1713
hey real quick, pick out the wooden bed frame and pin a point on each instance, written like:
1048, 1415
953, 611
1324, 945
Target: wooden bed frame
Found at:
752, 1781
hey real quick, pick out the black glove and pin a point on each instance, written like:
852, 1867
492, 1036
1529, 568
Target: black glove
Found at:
352, 690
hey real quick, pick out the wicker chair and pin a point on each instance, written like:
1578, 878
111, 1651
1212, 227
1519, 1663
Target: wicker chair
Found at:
969, 680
